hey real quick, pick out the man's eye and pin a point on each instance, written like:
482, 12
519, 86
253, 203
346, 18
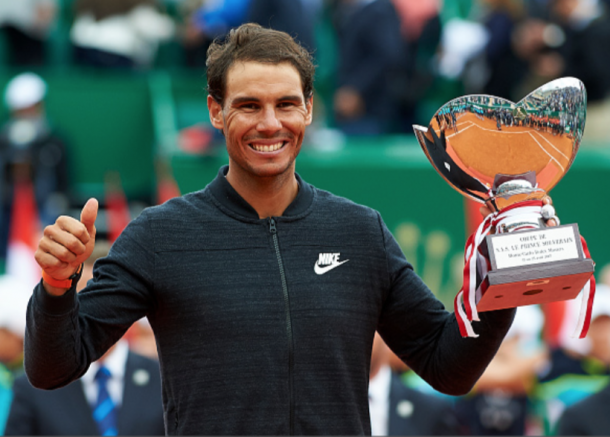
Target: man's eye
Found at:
285, 104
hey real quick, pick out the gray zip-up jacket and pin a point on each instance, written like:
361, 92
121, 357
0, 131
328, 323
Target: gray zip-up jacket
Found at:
263, 326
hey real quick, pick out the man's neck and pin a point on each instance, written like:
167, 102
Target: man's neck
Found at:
268, 196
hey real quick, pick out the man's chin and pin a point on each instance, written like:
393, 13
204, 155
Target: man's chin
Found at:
272, 170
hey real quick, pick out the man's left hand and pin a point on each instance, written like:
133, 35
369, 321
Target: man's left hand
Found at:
485, 211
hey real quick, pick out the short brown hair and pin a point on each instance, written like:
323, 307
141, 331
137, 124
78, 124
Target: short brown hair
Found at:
251, 42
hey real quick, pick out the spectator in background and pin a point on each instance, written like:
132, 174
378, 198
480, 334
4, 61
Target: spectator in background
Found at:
573, 373
26, 25
118, 33
14, 296
396, 409
214, 19
31, 150
421, 29
505, 68
590, 416
499, 403
574, 44
134, 387
372, 66
295, 17
210, 20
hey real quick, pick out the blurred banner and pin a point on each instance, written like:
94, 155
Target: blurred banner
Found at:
25, 232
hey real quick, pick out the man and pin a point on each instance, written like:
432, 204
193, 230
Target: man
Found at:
590, 415
31, 151
400, 410
500, 402
264, 292
133, 385
373, 66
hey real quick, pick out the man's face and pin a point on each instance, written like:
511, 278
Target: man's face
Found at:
263, 118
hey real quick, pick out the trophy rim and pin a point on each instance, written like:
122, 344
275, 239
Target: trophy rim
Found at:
577, 140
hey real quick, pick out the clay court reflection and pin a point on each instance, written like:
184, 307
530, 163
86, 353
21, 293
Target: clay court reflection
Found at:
478, 142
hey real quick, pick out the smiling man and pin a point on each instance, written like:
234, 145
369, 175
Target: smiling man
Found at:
263, 291
263, 115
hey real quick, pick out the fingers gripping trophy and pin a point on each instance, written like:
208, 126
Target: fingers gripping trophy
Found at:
509, 156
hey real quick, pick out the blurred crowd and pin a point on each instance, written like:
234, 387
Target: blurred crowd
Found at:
382, 63
388, 61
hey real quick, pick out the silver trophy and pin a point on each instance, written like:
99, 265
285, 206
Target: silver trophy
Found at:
503, 154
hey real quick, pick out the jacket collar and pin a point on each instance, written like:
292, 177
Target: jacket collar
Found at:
226, 195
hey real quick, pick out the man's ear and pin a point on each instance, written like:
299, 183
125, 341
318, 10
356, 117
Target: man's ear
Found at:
215, 110
309, 107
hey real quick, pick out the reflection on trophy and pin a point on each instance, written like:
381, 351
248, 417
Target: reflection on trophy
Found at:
509, 156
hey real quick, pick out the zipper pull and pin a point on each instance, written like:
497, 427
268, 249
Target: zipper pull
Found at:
272, 227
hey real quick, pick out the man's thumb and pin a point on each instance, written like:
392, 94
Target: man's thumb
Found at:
89, 213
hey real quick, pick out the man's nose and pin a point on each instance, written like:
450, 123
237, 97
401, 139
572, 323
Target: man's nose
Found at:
269, 121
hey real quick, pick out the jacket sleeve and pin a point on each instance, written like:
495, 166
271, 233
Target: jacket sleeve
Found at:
65, 334
416, 326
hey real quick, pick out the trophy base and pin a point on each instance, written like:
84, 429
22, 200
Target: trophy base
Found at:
536, 284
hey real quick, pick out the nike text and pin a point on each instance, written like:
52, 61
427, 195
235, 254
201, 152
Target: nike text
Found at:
327, 262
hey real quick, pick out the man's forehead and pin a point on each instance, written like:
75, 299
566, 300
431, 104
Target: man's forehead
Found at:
253, 74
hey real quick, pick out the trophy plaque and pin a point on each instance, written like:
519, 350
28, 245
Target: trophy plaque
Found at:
508, 156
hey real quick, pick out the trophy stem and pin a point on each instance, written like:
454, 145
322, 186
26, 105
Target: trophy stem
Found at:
509, 190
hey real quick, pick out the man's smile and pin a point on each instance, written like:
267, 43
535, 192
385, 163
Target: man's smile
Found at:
268, 147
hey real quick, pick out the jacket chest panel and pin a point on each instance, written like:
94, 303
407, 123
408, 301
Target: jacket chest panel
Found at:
334, 288
206, 277
235, 289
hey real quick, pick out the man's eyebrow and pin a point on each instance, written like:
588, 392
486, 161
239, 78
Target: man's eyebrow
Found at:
295, 97
248, 99
245, 99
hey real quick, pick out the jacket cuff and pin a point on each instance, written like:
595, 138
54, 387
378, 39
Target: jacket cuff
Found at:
54, 305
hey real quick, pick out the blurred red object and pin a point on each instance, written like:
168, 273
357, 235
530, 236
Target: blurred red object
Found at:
195, 139
24, 234
117, 208
473, 216
554, 319
167, 187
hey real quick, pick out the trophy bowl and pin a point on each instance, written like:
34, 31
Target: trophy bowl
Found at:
503, 154
499, 152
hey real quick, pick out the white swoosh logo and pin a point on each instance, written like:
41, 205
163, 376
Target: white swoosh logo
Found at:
321, 270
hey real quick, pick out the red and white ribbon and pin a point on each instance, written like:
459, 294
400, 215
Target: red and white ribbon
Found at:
586, 304
520, 216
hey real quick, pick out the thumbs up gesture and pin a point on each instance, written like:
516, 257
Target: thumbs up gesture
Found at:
66, 244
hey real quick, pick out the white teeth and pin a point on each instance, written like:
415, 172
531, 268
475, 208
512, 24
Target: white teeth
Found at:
269, 148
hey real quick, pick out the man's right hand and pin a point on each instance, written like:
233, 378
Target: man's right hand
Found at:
66, 244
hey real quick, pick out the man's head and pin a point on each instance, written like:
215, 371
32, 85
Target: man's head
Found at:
259, 102
253, 43
24, 95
